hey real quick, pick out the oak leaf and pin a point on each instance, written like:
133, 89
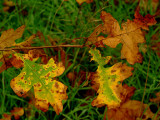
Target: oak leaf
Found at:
157, 99
130, 36
109, 81
46, 89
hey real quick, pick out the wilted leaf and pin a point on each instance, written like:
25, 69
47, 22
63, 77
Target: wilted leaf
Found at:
8, 37
47, 90
82, 1
109, 81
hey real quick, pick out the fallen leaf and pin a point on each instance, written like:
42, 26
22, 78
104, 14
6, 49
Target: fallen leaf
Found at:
82, 1
109, 81
17, 112
8, 37
46, 90
130, 36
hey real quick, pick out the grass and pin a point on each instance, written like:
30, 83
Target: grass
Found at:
64, 21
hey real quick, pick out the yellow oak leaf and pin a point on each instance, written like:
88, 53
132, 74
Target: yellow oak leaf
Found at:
41, 77
109, 81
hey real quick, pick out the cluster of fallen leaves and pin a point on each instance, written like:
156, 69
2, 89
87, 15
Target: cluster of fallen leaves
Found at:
106, 81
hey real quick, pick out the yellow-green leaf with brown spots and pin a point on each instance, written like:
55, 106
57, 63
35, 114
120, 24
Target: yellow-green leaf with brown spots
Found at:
47, 90
109, 81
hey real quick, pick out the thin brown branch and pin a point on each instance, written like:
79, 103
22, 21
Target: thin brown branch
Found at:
41, 47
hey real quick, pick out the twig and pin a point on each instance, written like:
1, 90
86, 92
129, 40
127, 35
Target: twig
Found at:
56, 46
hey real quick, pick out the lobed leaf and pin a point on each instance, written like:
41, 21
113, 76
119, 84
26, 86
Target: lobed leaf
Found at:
109, 81
47, 90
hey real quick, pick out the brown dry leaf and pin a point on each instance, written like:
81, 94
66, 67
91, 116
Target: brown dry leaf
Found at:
130, 110
82, 1
130, 36
17, 112
8, 37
